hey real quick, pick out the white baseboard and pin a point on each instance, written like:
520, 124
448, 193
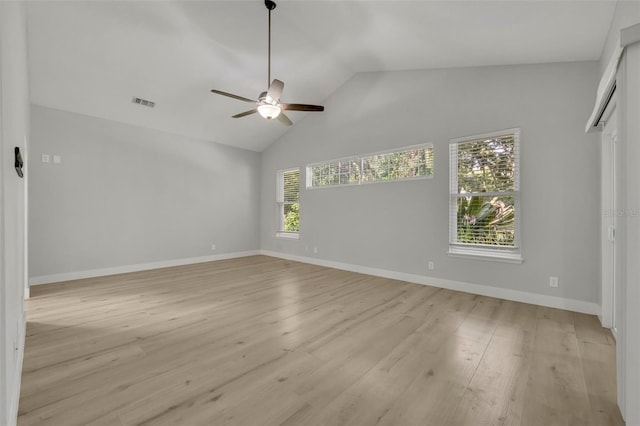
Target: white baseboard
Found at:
483, 290
68, 276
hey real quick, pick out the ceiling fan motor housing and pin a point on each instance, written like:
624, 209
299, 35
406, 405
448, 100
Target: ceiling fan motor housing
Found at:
264, 99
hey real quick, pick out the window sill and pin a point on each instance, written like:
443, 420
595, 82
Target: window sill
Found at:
288, 235
485, 254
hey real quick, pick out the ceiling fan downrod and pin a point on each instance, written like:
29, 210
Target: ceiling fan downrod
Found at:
270, 5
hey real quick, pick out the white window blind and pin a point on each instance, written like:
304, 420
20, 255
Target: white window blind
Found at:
406, 163
339, 172
484, 204
395, 165
288, 200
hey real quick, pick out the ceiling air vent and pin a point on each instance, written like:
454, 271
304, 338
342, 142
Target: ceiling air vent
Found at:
143, 102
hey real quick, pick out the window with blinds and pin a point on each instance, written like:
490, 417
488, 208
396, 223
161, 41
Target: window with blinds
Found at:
407, 163
484, 203
288, 202
339, 172
395, 165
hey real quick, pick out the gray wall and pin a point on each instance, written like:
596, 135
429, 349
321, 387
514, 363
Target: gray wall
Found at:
400, 226
127, 195
627, 13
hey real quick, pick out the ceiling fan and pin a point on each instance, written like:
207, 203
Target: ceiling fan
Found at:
268, 104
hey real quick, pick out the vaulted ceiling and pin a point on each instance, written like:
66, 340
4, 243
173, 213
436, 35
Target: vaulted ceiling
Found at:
93, 57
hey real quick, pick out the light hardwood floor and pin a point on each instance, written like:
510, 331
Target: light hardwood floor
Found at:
264, 341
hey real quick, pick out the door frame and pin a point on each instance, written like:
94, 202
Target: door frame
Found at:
609, 179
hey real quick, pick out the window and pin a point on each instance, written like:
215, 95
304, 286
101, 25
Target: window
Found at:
408, 163
288, 200
339, 172
484, 204
395, 165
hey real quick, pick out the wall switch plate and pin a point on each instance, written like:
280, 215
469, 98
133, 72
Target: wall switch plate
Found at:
57, 159
553, 282
45, 158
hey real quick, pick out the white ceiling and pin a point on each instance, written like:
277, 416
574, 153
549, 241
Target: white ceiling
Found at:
92, 57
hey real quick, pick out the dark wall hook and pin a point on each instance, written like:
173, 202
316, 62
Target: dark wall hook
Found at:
18, 163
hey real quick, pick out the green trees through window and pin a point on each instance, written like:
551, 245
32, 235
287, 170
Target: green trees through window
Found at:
289, 200
408, 163
343, 172
485, 190
292, 218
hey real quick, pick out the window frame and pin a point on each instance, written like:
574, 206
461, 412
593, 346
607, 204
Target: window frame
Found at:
309, 172
394, 151
511, 254
360, 158
280, 204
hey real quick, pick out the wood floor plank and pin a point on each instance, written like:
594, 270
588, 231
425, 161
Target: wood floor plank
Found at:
264, 341
600, 375
495, 394
556, 364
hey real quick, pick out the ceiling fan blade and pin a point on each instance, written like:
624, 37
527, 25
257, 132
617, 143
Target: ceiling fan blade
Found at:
275, 90
244, 114
301, 107
284, 119
230, 95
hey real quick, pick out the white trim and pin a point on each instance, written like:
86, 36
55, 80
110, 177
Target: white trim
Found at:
607, 85
628, 343
25, 265
288, 235
605, 91
399, 149
489, 254
92, 273
480, 289
334, 160
489, 135
373, 182
609, 202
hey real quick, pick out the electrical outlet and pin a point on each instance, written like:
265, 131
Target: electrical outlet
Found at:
430, 266
213, 246
46, 158
315, 250
553, 282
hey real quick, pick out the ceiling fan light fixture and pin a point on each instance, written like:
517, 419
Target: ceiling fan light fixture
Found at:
269, 111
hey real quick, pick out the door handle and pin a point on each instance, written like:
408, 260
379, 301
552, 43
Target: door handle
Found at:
18, 161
